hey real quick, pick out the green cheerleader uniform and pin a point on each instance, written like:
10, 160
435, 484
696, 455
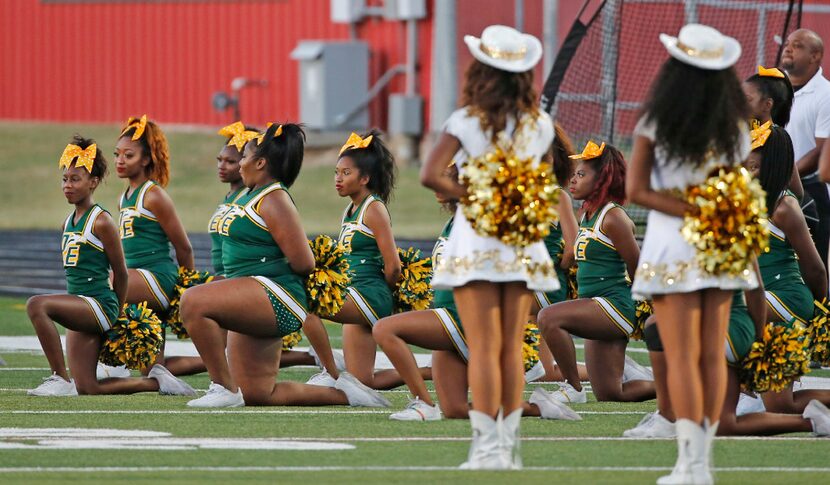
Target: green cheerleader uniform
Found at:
554, 243
444, 304
601, 272
741, 333
87, 267
368, 287
248, 249
146, 246
787, 294
213, 230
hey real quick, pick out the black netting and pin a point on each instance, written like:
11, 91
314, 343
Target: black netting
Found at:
604, 68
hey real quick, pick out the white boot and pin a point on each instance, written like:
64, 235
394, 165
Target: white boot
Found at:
709, 450
691, 449
485, 452
510, 438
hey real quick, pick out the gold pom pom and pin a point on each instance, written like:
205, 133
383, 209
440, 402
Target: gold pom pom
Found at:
641, 313
413, 291
573, 288
530, 346
187, 279
819, 334
134, 340
326, 285
729, 226
508, 198
291, 340
780, 357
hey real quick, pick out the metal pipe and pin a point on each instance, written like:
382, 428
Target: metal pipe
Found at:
411, 56
519, 6
444, 72
381, 83
550, 18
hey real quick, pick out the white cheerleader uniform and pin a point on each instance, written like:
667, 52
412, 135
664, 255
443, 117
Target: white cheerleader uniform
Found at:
469, 256
667, 262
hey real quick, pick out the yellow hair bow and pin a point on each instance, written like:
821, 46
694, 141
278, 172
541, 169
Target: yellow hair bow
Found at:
261, 136
771, 72
355, 142
239, 136
86, 157
761, 134
591, 151
138, 123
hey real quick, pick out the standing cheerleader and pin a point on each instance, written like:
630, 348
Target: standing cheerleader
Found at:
791, 270
267, 258
148, 225
441, 331
605, 252
493, 282
90, 249
694, 121
365, 173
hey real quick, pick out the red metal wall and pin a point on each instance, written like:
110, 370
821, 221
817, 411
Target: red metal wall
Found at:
105, 61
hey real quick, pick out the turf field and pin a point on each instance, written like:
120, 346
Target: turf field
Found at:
148, 438
30, 194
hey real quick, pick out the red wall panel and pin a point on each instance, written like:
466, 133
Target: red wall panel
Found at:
106, 61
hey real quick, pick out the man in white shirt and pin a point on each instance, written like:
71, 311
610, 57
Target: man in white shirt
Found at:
809, 124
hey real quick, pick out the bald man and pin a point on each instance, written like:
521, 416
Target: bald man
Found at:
809, 124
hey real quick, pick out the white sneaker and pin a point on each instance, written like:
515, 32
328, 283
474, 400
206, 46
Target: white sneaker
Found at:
54, 385
634, 371
417, 410
551, 408
104, 371
339, 360
819, 415
567, 394
653, 425
170, 385
536, 372
749, 404
360, 394
637, 431
322, 379
218, 397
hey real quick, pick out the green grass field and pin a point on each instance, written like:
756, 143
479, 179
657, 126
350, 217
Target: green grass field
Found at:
30, 194
200, 444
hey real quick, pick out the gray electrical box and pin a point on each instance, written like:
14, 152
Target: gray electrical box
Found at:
406, 115
404, 9
334, 82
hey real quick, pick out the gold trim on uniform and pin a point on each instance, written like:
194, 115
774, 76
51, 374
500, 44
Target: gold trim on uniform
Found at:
647, 272
481, 259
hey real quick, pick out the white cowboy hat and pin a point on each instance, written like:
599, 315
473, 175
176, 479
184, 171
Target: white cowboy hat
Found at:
505, 48
702, 46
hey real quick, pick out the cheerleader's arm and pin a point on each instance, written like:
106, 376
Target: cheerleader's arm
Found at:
638, 182
433, 174
378, 220
104, 229
620, 229
567, 221
789, 218
756, 302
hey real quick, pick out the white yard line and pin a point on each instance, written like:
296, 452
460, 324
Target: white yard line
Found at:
380, 469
